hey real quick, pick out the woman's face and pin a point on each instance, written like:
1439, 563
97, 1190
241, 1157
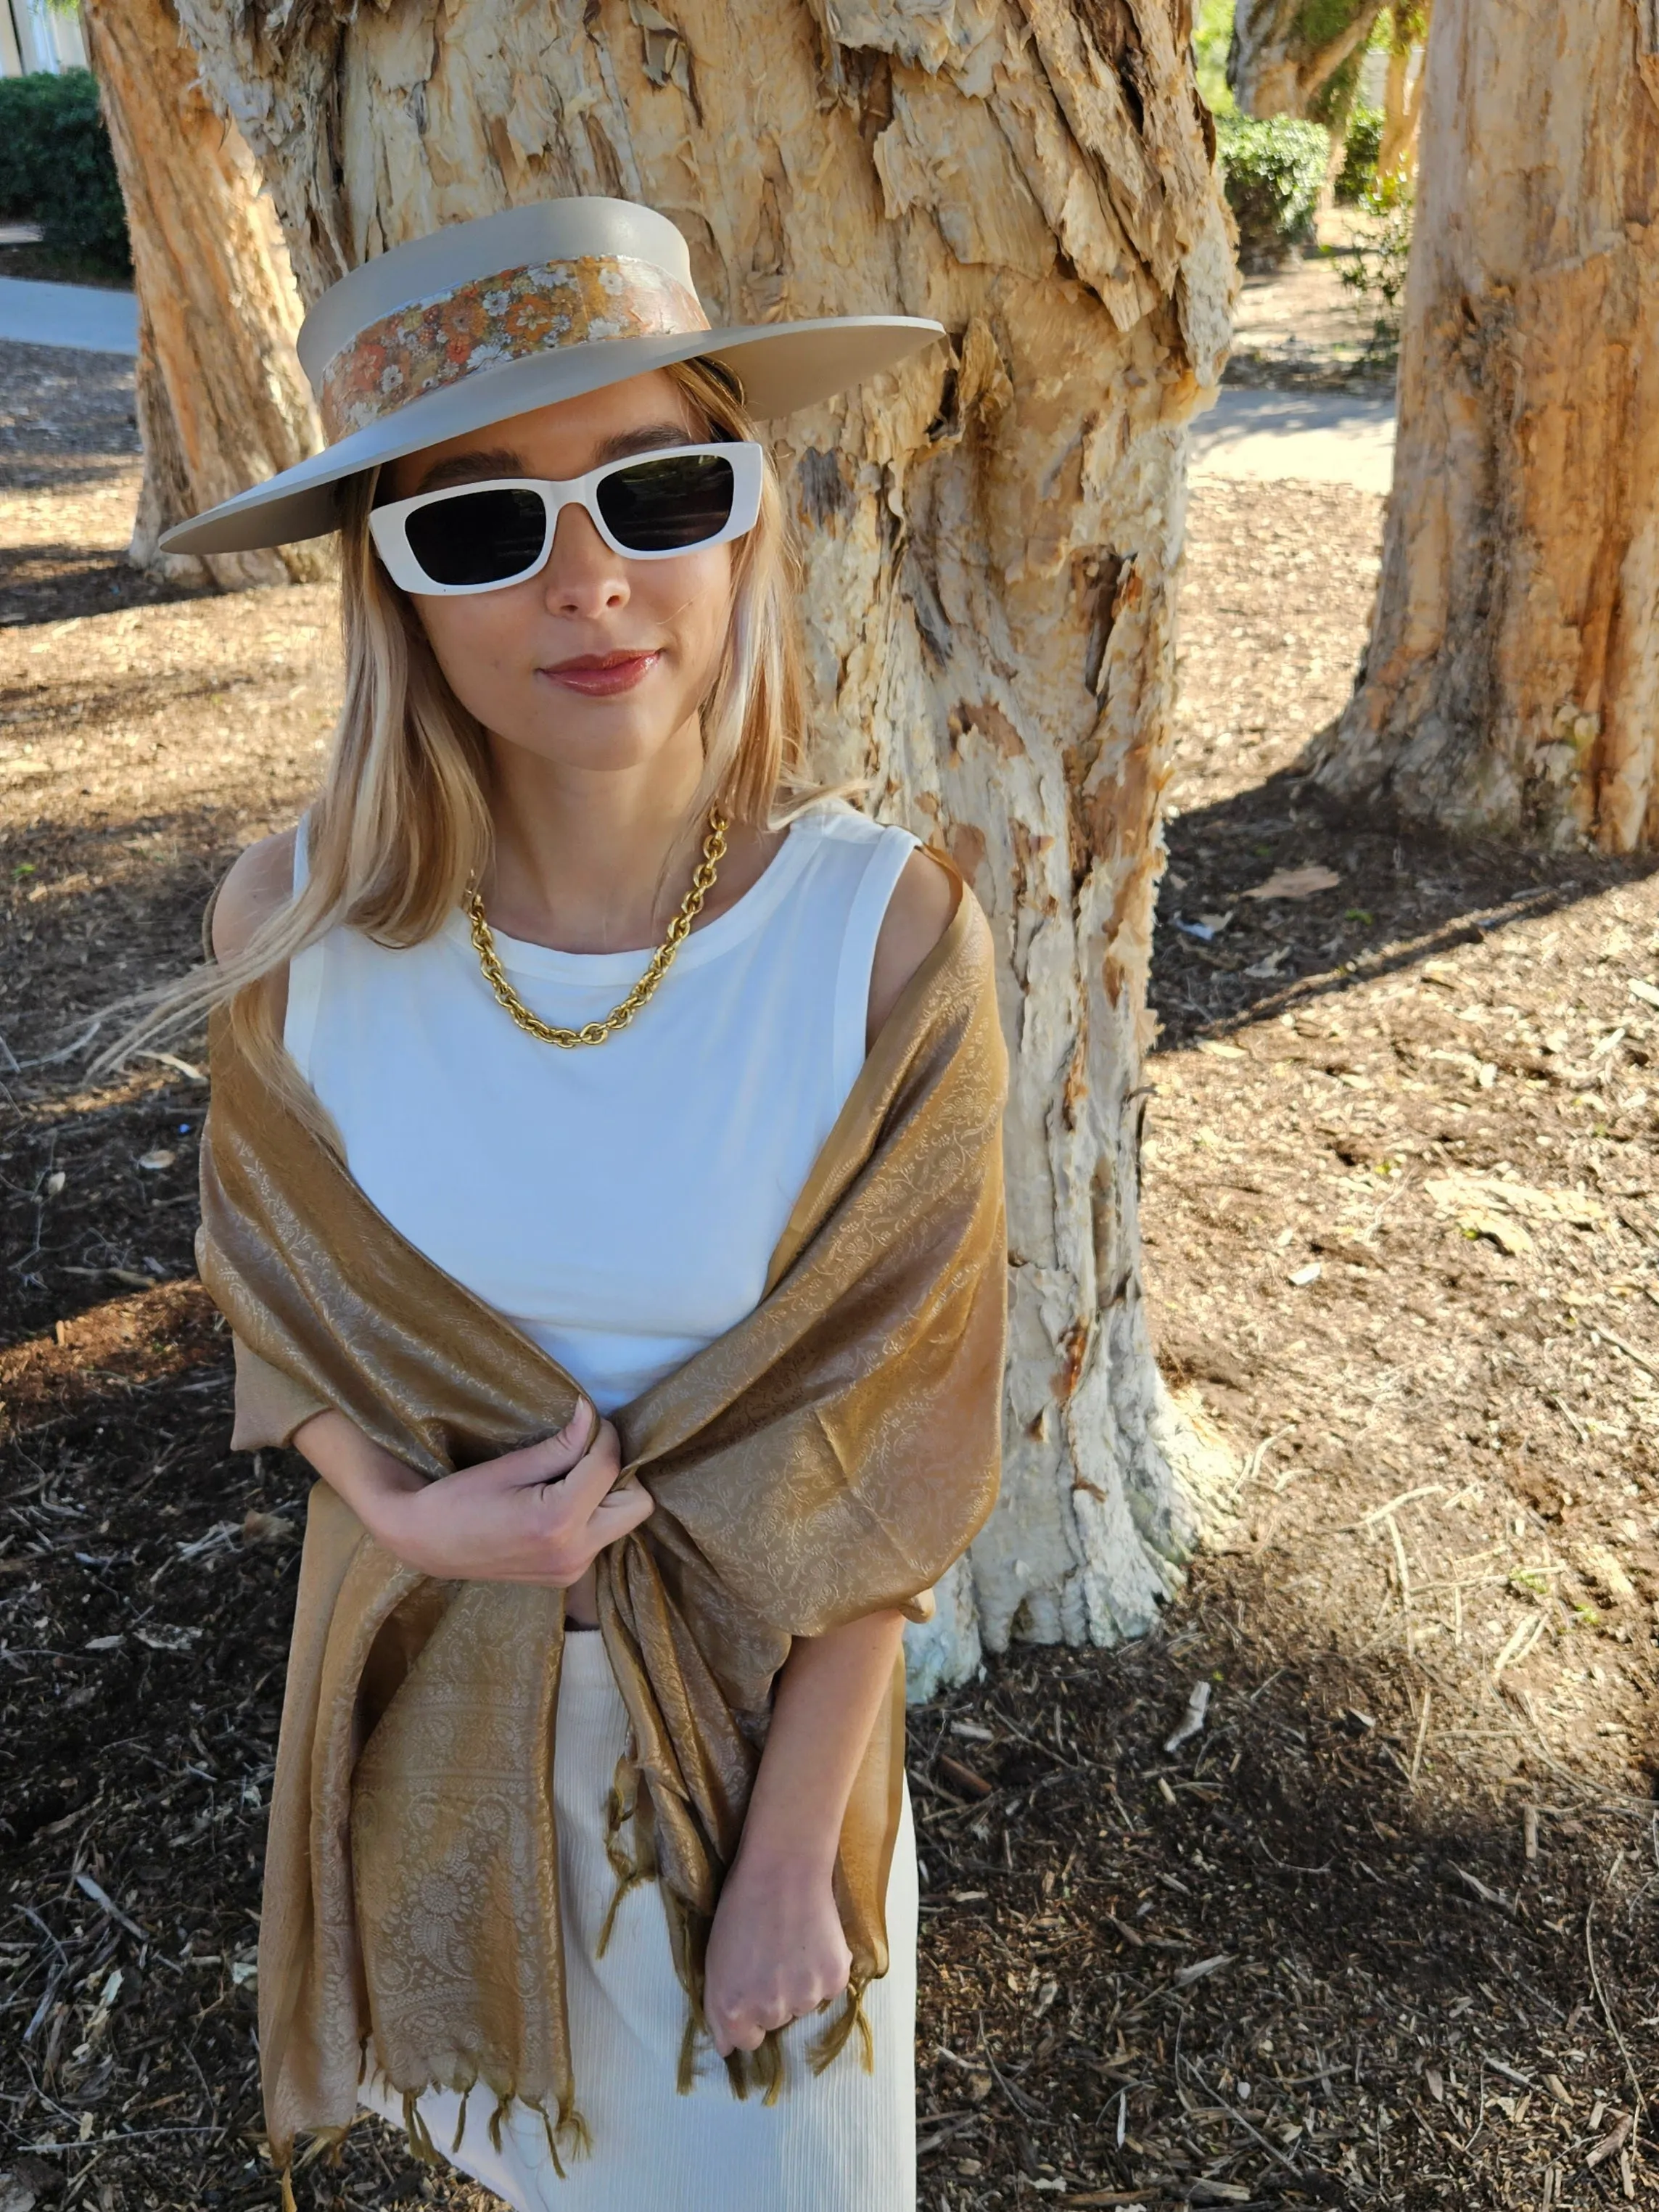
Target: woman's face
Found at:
596, 662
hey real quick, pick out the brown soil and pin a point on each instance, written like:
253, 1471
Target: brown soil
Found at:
1382, 1933
1302, 326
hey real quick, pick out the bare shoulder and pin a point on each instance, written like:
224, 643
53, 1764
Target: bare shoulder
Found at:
260, 881
918, 915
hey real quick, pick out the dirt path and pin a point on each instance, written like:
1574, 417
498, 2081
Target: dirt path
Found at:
1383, 1932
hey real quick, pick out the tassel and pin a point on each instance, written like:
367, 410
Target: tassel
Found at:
421, 2145
830, 2044
460, 2121
503, 2106
631, 1868
686, 2073
552, 2141
767, 2064
288, 2204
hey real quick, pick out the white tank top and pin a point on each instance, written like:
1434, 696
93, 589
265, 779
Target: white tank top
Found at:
619, 1203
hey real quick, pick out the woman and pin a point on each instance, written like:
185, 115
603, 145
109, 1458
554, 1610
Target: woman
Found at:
602, 1183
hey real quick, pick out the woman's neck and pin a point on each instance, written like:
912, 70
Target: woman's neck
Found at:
597, 861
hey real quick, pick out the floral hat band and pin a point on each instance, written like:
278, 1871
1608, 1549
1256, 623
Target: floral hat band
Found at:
435, 342
480, 322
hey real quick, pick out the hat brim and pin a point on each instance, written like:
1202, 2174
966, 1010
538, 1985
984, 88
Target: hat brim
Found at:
781, 367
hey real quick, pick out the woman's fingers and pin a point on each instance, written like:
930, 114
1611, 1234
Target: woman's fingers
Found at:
557, 1455
745, 2027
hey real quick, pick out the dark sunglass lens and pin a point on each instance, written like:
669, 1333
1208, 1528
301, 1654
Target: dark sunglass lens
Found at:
669, 502
478, 537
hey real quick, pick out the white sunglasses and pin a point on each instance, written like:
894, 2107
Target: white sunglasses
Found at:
479, 537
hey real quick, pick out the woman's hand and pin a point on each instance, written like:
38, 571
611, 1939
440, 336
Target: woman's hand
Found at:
776, 1952
540, 1515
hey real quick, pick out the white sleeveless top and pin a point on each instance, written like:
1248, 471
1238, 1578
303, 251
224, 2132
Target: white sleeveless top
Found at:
619, 1204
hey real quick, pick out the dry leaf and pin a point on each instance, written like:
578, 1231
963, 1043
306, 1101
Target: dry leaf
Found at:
265, 1527
1219, 1051
1295, 883
154, 1162
1311, 1273
1601, 1571
1646, 992
1508, 1236
1480, 1199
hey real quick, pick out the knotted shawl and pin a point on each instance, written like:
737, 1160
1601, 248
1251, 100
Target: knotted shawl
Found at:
827, 1458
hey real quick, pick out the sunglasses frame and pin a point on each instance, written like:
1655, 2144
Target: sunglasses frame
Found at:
388, 525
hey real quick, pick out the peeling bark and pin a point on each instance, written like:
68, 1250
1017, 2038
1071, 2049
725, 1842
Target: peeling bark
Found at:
1402, 95
222, 400
1511, 683
990, 536
1284, 53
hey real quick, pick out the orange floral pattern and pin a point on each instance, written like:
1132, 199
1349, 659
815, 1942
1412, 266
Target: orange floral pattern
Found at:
435, 342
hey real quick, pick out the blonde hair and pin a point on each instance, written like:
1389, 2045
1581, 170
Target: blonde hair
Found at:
401, 825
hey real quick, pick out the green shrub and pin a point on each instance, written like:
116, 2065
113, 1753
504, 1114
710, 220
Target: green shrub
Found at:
1213, 32
57, 169
1272, 173
1376, 274
1359, 174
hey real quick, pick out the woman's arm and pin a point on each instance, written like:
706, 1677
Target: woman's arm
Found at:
540, 1515
776, 1950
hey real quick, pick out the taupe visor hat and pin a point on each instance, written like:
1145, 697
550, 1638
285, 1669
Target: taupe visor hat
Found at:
487, 319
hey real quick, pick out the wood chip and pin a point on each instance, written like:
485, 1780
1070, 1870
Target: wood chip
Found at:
1295, 883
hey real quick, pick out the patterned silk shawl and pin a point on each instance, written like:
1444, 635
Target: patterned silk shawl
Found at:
826, 1458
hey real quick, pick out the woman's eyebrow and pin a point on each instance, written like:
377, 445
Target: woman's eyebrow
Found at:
475, 468
651, 437
471, 468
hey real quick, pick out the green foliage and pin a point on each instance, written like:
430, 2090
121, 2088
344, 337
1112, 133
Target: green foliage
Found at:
1319, 21
1358, 174
1376, 276
1212, 34
1272, 173
57, 169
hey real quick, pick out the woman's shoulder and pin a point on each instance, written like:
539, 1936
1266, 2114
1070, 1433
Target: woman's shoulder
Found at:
919, 913
260, 882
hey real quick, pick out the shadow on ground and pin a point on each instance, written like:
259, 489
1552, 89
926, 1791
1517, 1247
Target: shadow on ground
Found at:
1222, 959
1271, 1965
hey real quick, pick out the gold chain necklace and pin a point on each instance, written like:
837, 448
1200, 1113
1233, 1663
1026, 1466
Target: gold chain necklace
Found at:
702, 881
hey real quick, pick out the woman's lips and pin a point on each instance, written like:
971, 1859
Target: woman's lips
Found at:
602, 675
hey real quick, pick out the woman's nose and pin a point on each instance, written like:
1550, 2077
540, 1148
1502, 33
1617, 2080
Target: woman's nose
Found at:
583, 577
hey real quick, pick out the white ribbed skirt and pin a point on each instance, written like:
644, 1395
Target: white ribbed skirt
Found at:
841, 2141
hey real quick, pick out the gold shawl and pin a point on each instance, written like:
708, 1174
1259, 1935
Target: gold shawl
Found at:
826, 1458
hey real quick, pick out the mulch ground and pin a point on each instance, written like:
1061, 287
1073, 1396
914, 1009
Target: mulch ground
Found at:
1381, 1931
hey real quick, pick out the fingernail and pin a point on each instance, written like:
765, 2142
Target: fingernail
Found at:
576, 1419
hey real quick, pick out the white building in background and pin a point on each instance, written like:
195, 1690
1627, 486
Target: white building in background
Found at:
33, 36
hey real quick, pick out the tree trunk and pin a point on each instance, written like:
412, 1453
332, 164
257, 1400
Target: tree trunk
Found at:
1511, 684
990, 536
1402, 95
1278, 64
221, 398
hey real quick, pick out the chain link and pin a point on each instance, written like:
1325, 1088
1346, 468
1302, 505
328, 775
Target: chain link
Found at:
484, 942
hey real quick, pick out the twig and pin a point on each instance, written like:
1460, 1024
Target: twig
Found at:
1289, 2165
106, 1902
1422, 1737
129, 2134
1607, 1336
1610, 2016
1017, 2098
1405, 1496
1404, 1565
